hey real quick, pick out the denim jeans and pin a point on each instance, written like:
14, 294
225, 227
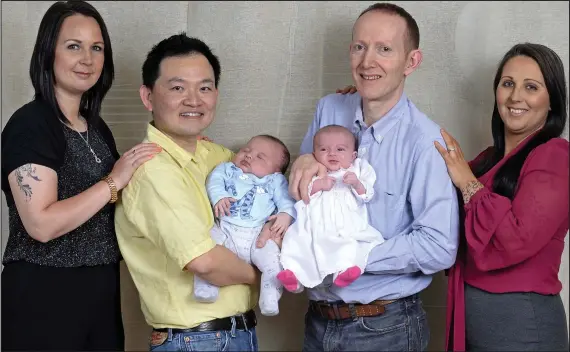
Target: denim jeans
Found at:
234, 340
402, 327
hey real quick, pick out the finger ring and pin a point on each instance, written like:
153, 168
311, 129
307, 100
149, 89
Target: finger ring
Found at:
451, 149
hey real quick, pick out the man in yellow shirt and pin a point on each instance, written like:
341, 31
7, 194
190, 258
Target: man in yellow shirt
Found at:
164, 217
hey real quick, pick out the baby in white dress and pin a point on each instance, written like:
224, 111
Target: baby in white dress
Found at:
331, 234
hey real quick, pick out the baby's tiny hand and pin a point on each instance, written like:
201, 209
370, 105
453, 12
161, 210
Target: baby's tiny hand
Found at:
350, 178
323, 184
281, 224
222, 207
328, 183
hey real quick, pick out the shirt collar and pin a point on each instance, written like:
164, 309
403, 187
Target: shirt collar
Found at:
382, 126
181, 156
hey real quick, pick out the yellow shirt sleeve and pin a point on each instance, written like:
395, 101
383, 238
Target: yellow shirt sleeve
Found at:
176, 223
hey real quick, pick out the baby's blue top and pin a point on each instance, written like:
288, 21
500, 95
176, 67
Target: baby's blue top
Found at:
257, 198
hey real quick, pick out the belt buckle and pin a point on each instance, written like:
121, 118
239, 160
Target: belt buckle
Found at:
242, 316
352, 311
336, 311
316, 306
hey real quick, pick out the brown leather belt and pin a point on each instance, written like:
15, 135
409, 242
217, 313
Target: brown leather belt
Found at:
338, 311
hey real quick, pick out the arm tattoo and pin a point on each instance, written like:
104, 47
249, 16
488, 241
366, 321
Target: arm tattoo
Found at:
21, 172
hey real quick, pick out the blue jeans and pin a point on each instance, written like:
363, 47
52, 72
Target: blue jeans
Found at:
234, 340
402, 327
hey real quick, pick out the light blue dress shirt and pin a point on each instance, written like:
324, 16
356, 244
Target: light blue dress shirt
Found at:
415, 204
257, 198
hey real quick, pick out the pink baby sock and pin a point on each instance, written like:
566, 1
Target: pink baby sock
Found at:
289, 280
346, 277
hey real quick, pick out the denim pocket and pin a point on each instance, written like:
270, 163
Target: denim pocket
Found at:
382, 333
424, 332
205, 341
377, 325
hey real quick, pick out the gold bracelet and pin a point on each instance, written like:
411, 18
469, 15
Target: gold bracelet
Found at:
470, 189
112, 188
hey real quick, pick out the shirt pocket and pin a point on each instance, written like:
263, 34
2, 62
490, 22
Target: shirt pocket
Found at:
391, 200
389, 207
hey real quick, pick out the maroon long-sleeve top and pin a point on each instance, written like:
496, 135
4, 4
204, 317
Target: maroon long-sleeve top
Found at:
512, 245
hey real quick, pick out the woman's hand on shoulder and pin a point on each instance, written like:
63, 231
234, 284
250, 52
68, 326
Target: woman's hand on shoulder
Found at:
204, 138
457, 167
129, 162
350, 89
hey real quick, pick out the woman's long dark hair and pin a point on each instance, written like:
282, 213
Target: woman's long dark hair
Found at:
506, 179
43, 57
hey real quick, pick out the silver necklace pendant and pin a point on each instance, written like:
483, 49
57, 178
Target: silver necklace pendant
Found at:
97, 159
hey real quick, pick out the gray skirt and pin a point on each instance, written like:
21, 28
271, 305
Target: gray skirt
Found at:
514, 321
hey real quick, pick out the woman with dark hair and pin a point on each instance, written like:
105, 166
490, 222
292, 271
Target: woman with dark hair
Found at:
61, 173
503, 291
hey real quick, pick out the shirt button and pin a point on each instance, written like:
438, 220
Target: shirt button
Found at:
361, 151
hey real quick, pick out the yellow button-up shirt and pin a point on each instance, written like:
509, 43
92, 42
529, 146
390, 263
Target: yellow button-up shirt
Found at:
163, 220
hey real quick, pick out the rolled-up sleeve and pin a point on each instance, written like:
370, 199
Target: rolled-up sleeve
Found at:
177, 222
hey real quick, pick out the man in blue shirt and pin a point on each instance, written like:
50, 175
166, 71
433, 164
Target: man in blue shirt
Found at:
415, 206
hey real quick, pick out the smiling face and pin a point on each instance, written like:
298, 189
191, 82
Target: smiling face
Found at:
183, 99
334, 147
79, 55
522, 98
379, 59
260, 156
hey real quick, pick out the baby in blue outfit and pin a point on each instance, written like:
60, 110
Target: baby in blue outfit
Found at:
245, 193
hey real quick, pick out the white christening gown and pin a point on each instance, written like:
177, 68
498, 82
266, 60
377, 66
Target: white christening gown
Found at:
331, 233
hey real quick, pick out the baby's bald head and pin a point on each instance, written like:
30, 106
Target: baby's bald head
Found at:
335, 131
335, 147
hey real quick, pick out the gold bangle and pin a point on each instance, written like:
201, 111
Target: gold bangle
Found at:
470, 189
112, 188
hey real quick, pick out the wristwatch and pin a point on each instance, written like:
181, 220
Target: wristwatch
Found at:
112, 187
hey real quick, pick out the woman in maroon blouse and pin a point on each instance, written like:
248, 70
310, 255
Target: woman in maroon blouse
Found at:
503, 291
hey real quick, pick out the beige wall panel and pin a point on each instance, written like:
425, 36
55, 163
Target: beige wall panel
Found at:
278, 59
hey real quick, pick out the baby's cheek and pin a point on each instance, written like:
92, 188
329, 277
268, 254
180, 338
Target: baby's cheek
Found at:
345, 162
320, 158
